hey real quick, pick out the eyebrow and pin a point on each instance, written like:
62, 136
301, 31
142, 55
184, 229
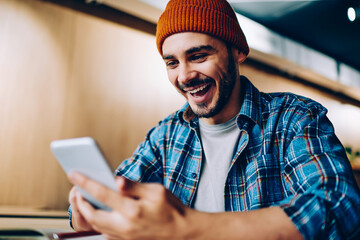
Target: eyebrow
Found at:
193, 50
199, 48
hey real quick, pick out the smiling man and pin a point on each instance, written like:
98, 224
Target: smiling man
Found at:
233, 163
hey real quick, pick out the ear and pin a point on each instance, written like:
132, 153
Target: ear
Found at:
240, 56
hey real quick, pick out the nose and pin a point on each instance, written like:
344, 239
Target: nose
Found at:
185, 73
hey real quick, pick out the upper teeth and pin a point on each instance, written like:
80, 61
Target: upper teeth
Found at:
198, 89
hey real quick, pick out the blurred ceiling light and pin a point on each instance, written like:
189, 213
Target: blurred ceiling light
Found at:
353, 13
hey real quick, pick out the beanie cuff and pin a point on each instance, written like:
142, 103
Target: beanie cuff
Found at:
216, 21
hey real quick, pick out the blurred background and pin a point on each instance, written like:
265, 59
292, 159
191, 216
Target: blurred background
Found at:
73, 68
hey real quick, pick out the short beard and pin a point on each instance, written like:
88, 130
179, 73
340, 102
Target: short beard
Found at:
226, 87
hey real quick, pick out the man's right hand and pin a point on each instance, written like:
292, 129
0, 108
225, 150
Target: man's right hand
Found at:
78, 221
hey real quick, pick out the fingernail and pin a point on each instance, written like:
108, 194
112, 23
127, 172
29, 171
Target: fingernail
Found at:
73, 176
78, 195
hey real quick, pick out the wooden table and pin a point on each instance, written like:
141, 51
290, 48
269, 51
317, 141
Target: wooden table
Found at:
30, 218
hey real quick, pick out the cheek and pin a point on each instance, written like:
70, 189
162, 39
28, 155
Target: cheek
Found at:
214, 71
172, 77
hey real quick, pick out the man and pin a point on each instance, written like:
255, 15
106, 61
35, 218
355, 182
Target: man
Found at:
233, 162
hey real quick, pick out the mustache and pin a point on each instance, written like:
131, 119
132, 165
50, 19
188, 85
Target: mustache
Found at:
195, 82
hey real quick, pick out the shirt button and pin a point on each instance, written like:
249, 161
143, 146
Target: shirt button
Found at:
193, 175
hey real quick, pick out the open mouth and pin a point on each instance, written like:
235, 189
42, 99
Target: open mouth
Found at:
200, 91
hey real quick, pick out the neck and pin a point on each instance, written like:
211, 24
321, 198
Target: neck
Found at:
231, 109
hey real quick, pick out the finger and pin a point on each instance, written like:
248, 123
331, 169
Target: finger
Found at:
143, 190
78, 220
125, 184
72, 196
73, 202
153, 192
86, 210
114, 200
101, 221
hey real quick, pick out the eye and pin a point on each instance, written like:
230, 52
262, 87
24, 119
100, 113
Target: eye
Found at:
171, 63
199, 57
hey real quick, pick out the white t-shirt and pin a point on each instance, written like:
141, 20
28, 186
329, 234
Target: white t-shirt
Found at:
218, 143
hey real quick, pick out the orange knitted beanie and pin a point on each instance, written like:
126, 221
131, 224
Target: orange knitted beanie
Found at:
213, 17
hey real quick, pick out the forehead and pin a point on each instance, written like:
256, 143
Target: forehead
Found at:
181, 42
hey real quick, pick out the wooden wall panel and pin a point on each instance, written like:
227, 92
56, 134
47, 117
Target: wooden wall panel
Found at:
67, 74
32, 86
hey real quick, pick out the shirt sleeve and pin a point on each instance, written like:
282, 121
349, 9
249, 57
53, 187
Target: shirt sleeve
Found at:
326, 200
145, 164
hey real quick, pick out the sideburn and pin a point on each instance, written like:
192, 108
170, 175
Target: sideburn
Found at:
227, 85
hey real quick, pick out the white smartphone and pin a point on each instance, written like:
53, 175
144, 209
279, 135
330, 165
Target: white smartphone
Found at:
83, 155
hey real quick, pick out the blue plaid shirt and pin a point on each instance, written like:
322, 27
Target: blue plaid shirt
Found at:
287, 156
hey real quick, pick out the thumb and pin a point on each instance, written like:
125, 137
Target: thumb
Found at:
120, 183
